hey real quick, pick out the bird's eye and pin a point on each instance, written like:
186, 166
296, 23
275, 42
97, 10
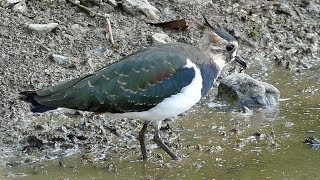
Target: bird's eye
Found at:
230, 47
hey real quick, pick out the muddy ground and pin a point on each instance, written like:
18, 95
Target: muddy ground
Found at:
284, 33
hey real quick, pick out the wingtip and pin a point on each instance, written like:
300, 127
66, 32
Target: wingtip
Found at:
25, 92
36, 107
27, 95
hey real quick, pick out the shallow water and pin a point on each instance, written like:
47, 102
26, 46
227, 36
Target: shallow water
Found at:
211, 147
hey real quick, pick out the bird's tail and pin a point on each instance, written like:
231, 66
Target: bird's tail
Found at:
36, 107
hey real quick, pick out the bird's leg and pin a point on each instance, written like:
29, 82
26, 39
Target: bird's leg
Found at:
142, 140
158, 141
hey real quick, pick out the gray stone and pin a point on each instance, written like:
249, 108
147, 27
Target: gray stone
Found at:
284, 8
99, 50
241, 90
6, 3
97, 2
77, 30
59, 59
66, 62
44, 28
42, 127
67, 146
194, 1
265, 40
314, 9
161, 38
62, 129
247, 111
21, 7
288, 124
134, 6
113, 3
107, 8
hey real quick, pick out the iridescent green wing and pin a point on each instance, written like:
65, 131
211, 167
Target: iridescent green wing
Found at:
137, 83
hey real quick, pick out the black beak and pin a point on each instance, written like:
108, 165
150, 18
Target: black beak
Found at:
240, 60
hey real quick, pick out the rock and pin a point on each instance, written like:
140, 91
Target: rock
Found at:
59, 59
194, 1
288, 124
42, 127
14, 163
113, 3
63, 129
77, 31
134, 6
44, 28
16, 175
246, 111
284, 8
215, 149
161, 38
34, 142
241, 90
99, 50
6, 3
265, 40
313, 142
314, 9
107, 8
96, 2
67, 146
67, 62
21, 7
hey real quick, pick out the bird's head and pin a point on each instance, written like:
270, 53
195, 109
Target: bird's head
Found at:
220, 41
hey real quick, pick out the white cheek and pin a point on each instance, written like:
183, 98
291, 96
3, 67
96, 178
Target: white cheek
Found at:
219, 60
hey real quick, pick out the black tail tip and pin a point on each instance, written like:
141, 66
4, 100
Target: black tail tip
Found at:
28, 96
36, 107
41, 108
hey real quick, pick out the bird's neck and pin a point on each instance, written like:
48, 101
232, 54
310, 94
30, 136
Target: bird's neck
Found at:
219, 59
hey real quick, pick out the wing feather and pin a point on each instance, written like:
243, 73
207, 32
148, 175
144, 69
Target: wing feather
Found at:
136, 83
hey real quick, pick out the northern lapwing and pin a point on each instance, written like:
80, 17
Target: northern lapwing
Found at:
151, 84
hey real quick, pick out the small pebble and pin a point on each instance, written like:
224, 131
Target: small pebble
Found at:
6, 3
288, 124
21, 7
161, 38
59, 59
43, 28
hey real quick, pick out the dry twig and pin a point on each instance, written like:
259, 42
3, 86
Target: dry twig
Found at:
109, 30
86, 9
